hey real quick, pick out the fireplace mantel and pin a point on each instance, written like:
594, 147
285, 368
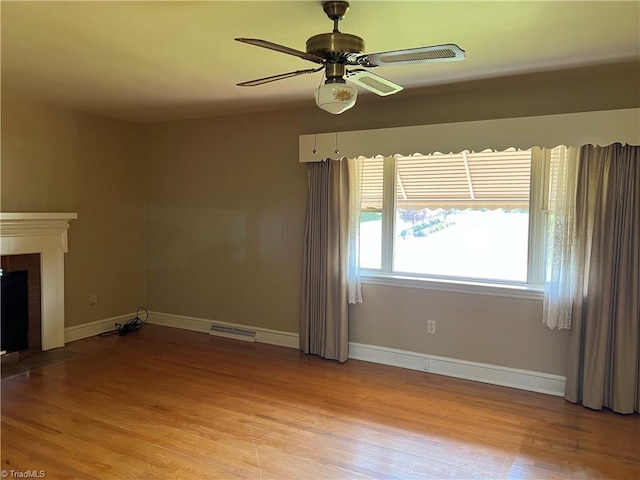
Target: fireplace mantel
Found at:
46, 234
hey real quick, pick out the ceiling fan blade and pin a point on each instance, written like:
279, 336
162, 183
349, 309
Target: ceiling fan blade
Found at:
435, 53
372, 82
282, 76
281, 48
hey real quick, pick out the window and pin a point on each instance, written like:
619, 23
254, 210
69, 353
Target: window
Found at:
465, 216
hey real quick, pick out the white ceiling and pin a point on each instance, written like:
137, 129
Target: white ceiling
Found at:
156, 61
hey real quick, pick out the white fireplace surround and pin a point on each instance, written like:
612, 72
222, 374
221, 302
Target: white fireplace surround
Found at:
46, 234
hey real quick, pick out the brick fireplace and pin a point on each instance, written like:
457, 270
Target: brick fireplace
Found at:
30, 238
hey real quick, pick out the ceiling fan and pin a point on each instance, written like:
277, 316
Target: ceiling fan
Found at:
336, 51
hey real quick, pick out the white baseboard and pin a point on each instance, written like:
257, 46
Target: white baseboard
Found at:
452, 367
263, 335
78, 332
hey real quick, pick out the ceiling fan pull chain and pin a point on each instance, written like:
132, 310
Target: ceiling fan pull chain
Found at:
315, 135
337, 151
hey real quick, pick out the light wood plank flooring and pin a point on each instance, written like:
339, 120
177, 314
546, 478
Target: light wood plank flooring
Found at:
165, 403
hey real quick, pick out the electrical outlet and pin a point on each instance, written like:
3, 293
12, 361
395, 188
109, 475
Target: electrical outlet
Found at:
93, 299
431, 327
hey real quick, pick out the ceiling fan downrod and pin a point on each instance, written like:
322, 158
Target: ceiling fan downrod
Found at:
335, 11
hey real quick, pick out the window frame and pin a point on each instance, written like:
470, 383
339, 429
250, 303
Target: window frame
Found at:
532, 289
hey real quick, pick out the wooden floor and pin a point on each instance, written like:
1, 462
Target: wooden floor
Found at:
165, 403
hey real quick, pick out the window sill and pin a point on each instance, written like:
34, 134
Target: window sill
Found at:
528, 292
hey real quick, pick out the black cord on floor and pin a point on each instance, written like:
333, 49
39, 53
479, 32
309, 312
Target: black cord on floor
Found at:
129, 326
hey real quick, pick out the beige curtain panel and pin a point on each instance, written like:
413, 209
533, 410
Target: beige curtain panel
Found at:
604, 356
324, 328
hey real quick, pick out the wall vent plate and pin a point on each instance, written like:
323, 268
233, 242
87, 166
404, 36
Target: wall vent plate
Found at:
233, 332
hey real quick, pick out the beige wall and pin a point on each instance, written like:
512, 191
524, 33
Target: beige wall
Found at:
226, 202
602, 87
225, 229
224, 219
57, 160
478, 328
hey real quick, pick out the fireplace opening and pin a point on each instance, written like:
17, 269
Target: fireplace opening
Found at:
15, 270
15, 311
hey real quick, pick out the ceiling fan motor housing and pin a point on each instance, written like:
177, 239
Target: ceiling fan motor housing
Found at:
336, 48
334, 45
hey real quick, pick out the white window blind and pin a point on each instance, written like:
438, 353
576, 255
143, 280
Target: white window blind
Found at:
372, 184
464, 180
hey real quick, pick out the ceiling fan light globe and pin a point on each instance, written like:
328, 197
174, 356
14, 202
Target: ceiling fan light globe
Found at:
335, 98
